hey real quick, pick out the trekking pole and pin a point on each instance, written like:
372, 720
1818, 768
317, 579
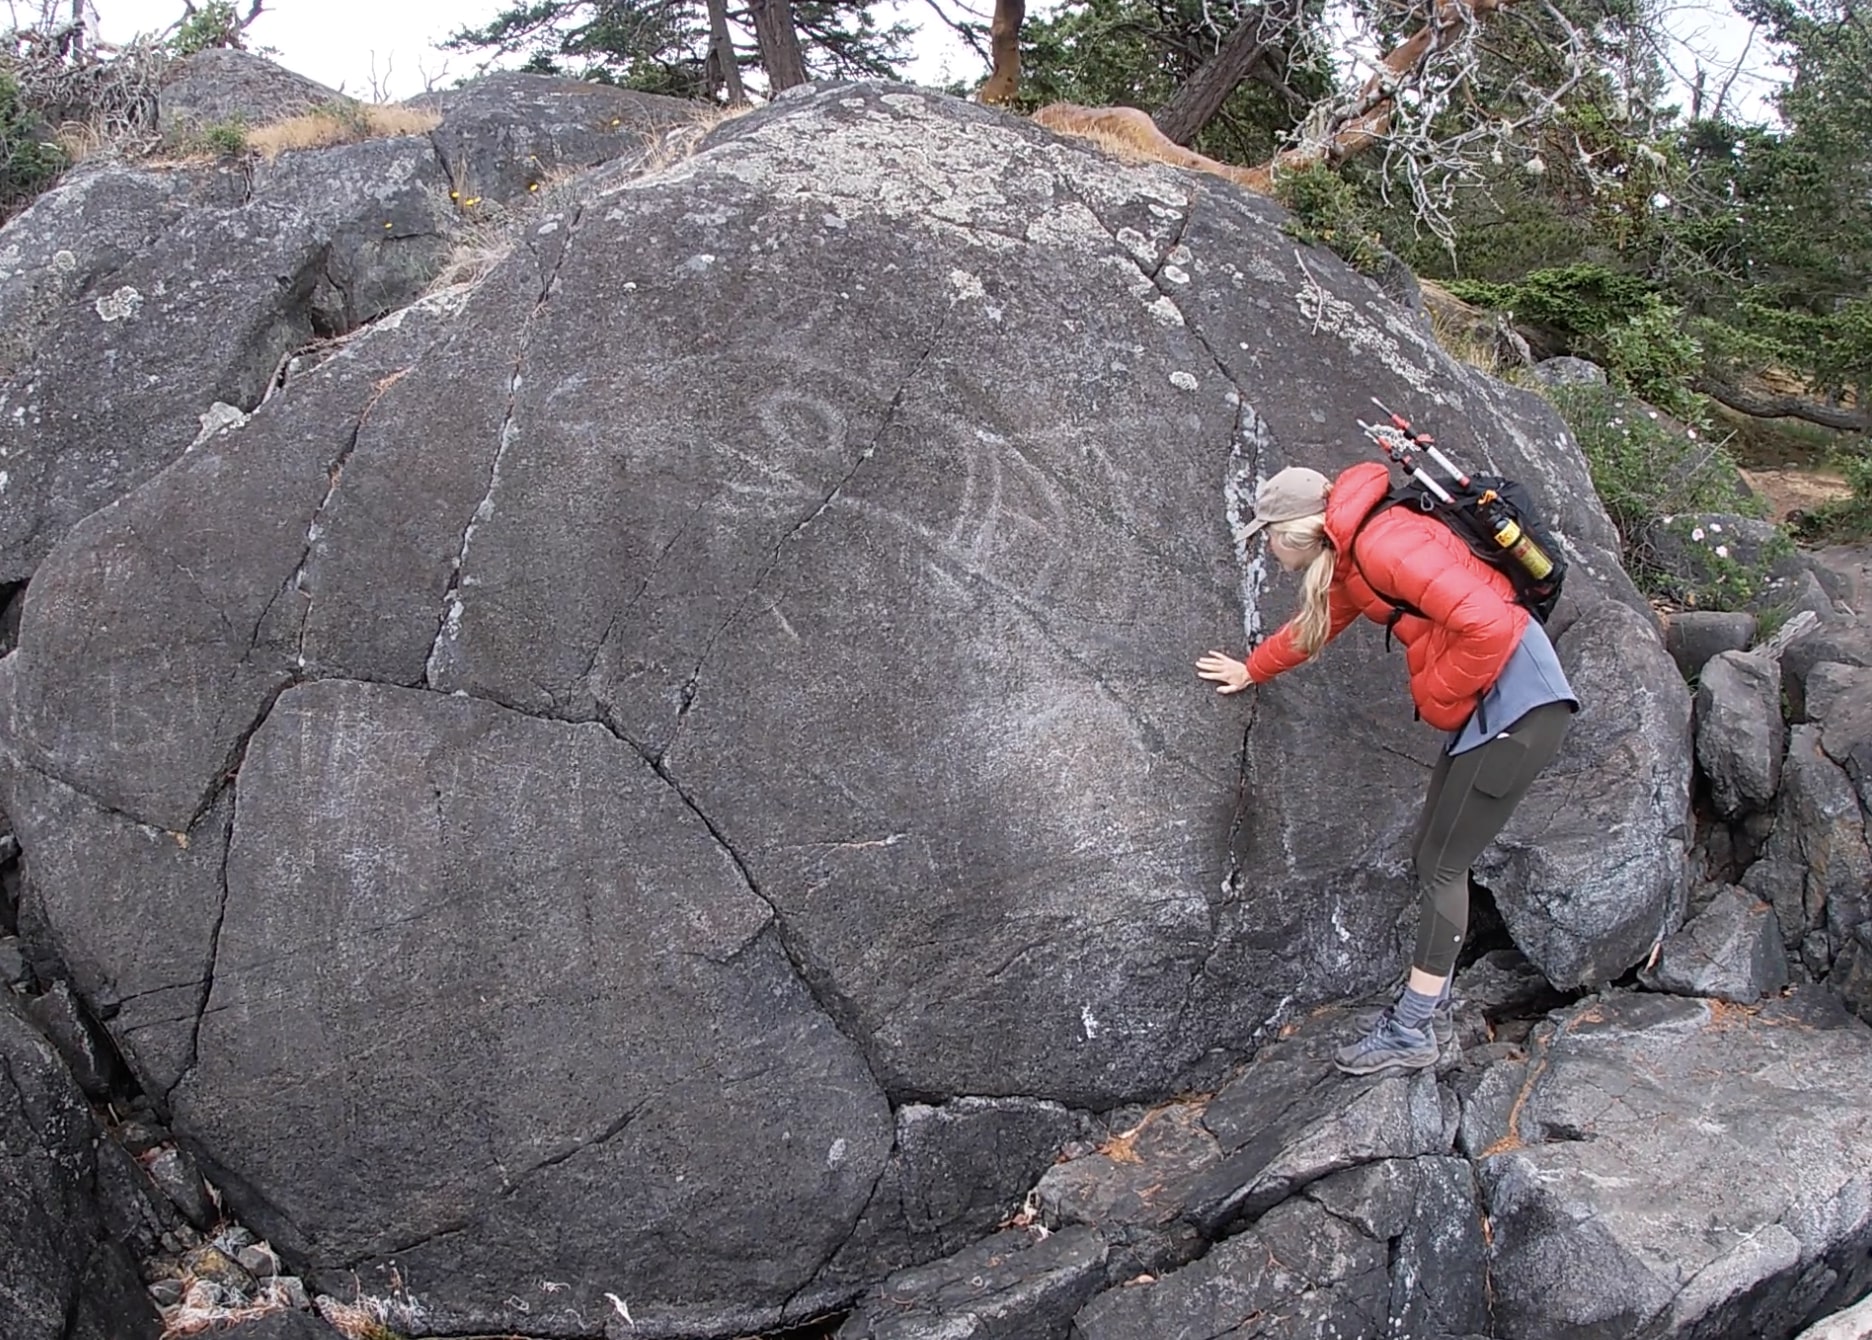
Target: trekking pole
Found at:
1397, 445
1498, 522
1427, 442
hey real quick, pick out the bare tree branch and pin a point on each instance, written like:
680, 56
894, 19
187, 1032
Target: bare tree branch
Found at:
1786, 407
970, 33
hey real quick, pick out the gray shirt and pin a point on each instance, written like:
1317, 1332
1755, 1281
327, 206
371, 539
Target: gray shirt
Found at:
1531, 678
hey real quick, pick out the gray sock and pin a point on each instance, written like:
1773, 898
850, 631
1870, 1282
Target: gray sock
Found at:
1414, 1009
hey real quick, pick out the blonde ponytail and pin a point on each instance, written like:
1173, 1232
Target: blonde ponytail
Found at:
1314, 620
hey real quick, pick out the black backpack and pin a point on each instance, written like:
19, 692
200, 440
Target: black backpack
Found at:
1476, 510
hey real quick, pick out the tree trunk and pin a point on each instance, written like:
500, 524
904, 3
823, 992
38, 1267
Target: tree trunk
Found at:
722, 53
779, 44
1201, 96
1004, 42
1369, 117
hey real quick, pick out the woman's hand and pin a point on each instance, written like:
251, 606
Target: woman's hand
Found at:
1230, 674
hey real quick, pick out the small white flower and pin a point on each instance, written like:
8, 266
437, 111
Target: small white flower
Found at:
1690, 433
1722, 551
1697, 534
1716, 527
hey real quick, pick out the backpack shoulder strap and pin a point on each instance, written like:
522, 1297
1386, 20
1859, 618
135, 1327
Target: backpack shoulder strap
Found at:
1397, 497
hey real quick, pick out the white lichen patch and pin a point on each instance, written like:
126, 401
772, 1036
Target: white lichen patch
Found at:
1335, 316
1136, 243
1071, 226
63, 262
122, 305
1175, 274
1263, 268
1164, 312
219, 418
1253, 442
1184, 381
699, 262
966, 286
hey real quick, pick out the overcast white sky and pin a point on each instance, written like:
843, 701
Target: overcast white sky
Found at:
335, 41
340, 42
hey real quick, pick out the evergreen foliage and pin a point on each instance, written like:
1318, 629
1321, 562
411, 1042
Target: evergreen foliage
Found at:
1135, 53
663, 46
213, 24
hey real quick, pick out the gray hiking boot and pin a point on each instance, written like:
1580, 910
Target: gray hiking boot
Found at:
1442, 1020
1388, 1045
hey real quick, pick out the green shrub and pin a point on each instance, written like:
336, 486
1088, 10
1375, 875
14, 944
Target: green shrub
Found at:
1327, 213
28, 162
1849, 520
228, 139
1648, 472
1712, 564
1615, 319
213, 24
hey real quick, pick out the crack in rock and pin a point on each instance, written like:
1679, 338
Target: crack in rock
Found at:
689, 688
835, 1009
448, 627
206, 989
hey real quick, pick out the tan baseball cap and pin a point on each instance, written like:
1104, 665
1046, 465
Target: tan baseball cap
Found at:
1291, 494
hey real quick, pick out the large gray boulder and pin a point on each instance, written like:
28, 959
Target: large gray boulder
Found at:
1391, 1248
135, 300
1739, 730
511, 133
220, 86
1659, 1166
536, 796
1732, 950
1816, 867
66, 1277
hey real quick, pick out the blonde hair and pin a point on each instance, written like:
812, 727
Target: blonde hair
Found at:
1314, 620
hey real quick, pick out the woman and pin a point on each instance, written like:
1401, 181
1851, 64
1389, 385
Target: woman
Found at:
1480, 668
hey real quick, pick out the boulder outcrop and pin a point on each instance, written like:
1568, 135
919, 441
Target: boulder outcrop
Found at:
668, 781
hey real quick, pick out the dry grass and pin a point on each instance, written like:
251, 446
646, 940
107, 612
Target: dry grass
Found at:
673, 146
79, 140
195, 1315
340, 123
470, 262
1465, 332
366, 1319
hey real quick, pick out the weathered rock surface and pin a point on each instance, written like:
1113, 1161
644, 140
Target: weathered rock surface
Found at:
1388, 1248
66, 1276
1739, 730
511, 133
532, 797
1731, 950
1188, 1171
1664, 1166
135, 299
953, 1173
220, 86
1694, 636
1854, 1323
1015, 1285
1568, 371
1815, 868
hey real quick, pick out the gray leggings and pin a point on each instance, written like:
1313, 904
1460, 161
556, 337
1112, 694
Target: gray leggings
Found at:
1471, 796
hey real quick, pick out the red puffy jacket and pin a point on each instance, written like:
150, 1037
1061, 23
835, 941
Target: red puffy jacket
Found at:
1471, 625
